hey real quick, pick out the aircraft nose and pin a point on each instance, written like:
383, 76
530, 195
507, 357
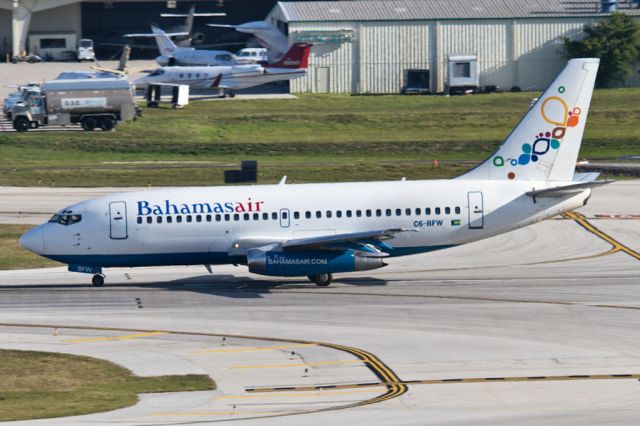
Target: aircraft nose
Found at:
33, 240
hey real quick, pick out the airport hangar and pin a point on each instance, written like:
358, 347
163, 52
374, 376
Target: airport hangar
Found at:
106, 21
365, 47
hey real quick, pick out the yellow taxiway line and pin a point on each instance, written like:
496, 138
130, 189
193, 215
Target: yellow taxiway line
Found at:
298, 364
125, 337
252, 349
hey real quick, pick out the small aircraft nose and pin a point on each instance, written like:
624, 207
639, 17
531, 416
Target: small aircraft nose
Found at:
33, 240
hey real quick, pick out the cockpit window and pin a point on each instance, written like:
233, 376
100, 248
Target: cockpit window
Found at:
66, 219
159, 71
225, 57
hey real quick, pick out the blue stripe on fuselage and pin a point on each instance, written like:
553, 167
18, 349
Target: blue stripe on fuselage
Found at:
194, 258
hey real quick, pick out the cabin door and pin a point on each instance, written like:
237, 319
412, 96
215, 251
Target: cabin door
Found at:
476, 210
118, 220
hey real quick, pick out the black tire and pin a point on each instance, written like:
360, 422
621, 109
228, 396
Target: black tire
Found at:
97, 281
153, 104
322, 280
232, 94
21, 124
107, 124
89, 124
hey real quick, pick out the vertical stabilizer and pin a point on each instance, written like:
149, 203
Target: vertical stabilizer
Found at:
545, 144
165, 45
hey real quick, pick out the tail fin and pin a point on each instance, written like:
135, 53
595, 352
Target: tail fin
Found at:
165, 45
296, 57
545, 144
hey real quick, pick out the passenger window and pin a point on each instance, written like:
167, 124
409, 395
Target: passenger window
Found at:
139, 220
328, 213
256, 216
189, 218
149, 219
181, 75
407, 212
358, 213
236, 217
179, 219
218, 217
368, 212
247, 216
265, 216
227, 217
208, 218
378, 212
447, 210
338, 213
427, 211
318, 214
158, 219
169, 219
348, 213
198, 218
418, 211
437, 210
274, 216
285, 215
457, 210
398, 212
388, 212
307, 215
296, 215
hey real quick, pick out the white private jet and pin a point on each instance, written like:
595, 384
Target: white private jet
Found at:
316, 230
233, 77
173, 55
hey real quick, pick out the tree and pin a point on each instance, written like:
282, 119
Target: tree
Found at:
616, 41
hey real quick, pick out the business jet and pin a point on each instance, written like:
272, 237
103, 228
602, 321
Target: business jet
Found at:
228, 79
172, 55
317, 230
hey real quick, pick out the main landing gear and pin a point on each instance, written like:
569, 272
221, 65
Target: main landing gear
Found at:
97, 280
321, 280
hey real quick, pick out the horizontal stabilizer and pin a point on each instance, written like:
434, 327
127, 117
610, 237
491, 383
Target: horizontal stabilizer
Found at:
586, 177
186, 15
154, 35
561, 191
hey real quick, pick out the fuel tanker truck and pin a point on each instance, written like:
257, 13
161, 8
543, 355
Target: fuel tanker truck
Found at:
92, 103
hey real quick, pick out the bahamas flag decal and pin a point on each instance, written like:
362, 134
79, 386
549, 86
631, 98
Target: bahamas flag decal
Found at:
455, 222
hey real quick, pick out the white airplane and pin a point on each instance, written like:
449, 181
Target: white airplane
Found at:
316, 230
172, 55
234, 77
191, 37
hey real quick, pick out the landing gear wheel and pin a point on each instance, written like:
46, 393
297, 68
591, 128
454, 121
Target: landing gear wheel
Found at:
89, 124
97, 280
107, 124
321, 280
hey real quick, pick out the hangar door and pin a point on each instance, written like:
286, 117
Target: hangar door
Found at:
322, 80
118, 220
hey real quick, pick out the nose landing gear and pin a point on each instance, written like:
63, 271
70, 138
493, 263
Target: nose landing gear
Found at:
97, 280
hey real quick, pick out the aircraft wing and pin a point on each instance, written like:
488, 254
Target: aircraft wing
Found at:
197, 15
561, 191
369, 241
154, 35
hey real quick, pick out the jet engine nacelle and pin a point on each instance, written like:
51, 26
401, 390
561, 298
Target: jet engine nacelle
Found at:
197, 38
164, 60
309, 263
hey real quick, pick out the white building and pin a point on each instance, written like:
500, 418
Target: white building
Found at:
373, 46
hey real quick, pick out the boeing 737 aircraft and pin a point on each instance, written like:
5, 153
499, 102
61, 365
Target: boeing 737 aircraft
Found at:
316, 230
231, 78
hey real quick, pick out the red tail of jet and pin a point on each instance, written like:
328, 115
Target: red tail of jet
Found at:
296, 57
